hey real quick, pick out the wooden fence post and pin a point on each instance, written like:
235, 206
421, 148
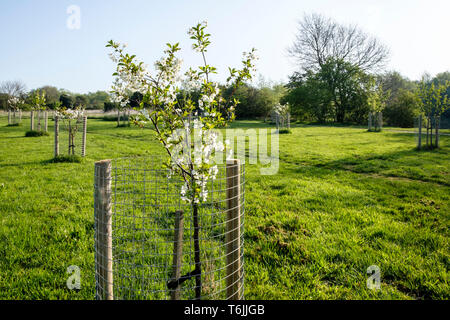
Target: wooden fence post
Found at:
103, 230
83, 141
46, 120
233, 230
32, 120
419, 141
56, 136
177, 253
437, 124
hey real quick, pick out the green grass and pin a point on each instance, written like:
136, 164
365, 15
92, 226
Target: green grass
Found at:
344, 199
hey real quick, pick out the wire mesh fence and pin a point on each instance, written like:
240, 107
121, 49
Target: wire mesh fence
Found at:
152, 245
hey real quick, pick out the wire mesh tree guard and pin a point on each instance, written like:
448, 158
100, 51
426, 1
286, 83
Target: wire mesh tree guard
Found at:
375, 121
68, 137
39, 120
14, 116
427, 132
282, 121
149, 244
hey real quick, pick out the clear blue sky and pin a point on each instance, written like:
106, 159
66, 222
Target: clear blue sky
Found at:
39, 49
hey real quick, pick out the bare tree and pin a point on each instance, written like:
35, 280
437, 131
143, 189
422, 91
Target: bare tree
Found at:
13, 88
14, 91
320, 38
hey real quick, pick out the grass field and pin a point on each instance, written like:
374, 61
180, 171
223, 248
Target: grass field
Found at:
344, 199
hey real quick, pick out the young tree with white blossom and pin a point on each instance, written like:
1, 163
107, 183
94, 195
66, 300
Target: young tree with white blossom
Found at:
282, 115
72, 120
163, 108
38, 101
15, 104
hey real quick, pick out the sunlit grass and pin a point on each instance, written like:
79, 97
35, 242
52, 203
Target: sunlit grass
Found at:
344, 199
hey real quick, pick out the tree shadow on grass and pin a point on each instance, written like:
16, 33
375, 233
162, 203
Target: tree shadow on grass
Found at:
123, 136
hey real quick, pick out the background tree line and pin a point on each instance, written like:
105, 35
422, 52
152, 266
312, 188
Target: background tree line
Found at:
340, 77
53, 95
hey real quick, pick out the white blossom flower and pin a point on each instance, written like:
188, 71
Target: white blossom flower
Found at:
195, 164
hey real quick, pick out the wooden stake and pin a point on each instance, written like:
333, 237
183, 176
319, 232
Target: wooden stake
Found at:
431, 132
437, 124
233, 230
83, 141
32, 120
46, 121
380, 121
177, 252
103, 230
56, 136
419, 141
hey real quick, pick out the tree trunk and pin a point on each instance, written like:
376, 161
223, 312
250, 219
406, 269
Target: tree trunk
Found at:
428, 132
73, 144
118, 118
198, 265
437, 132
70, 130
39, 120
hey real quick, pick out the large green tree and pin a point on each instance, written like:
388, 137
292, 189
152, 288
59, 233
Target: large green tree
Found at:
254, 102
67, 100
402, 110
309, 98
338, 91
